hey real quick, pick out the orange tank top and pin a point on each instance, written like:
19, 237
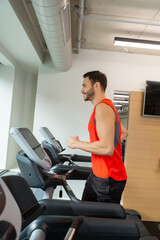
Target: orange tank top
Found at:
104, 166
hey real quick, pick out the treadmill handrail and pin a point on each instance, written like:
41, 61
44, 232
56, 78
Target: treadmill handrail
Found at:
73, 228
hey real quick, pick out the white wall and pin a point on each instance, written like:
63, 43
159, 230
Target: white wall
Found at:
22, 114
59, 103
17, 95
6, 86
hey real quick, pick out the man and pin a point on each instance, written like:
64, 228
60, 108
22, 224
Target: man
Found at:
108, 177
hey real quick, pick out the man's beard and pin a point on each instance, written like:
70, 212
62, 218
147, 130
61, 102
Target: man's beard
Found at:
89, 94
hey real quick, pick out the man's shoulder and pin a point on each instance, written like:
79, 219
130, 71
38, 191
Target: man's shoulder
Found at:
104, 107
105, 103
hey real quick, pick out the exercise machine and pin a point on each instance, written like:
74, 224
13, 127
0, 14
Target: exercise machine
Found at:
33, 225
32, 148
37, 176
9, 211
17, 210
54, 147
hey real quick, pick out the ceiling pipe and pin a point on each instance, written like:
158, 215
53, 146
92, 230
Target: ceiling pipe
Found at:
80, 13
54, 20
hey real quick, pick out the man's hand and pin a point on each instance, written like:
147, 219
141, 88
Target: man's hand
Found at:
72, 142
124, 132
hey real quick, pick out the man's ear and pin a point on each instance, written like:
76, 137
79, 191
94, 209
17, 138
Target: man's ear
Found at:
97, 85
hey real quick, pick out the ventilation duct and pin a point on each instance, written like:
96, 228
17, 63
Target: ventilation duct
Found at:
54, 19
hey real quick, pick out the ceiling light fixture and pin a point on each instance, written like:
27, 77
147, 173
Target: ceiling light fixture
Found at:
137, 43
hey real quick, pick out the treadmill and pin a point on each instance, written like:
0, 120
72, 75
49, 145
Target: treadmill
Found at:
23, 213
55, 148
31, 161
32, 148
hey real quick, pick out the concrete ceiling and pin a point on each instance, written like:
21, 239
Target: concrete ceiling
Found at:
106, 19
103, 20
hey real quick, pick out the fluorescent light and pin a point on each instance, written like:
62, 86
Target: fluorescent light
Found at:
118, 105
120, 101
120, 95
137, 43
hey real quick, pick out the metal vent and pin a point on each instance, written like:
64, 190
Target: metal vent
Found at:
54, 19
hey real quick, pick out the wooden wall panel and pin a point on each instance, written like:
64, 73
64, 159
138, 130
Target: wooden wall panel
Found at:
142, 160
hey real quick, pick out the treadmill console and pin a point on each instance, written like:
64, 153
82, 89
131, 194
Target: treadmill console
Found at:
32, 148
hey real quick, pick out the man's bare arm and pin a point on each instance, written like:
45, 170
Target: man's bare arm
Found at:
105, 119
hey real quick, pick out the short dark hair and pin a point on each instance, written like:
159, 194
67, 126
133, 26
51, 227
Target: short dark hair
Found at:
97, 76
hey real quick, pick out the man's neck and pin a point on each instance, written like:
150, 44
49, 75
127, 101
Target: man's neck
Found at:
98, 98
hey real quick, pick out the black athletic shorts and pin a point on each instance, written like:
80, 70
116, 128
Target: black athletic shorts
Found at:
103, 189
